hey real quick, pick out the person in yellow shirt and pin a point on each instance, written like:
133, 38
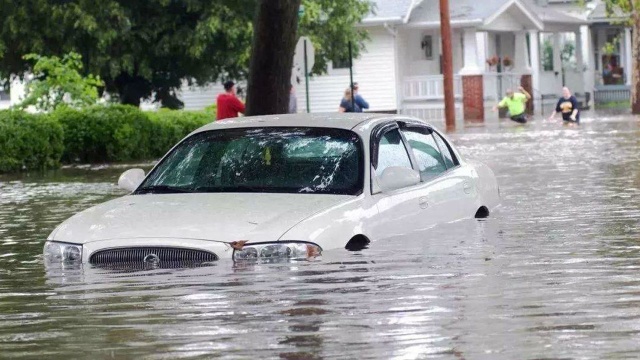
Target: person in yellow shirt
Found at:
516, 102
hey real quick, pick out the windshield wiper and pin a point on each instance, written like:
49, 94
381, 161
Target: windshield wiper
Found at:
161, 189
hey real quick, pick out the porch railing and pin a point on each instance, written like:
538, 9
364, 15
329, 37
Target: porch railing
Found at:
612, 94
428, 87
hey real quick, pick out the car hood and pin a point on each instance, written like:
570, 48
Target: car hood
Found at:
216, 217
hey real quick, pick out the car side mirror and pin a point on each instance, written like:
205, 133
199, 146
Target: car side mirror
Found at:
131, 179
397, 177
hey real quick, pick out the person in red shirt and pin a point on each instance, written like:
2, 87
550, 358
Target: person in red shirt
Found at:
227, 103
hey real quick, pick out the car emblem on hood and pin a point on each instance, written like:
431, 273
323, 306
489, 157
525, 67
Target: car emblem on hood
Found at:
152, 259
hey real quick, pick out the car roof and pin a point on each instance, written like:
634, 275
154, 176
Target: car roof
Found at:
326, 120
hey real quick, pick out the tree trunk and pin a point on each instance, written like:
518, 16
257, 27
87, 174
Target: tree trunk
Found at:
635, 73
274, 42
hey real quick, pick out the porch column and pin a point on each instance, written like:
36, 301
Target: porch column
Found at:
590, 74
472, 83
557, 59
579, 55
602, 39
579, 62
471, 66
521, 65
628, 57
521, 59
534, 45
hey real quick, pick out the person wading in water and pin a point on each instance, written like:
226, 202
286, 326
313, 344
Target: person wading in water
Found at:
516, 102
568, 107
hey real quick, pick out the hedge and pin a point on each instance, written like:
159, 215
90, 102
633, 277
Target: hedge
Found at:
170, 126
104, 133
96, 134
29, 142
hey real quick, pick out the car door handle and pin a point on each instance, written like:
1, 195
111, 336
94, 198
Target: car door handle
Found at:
424, 202
466, 187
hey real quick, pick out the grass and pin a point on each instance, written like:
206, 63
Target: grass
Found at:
613, 105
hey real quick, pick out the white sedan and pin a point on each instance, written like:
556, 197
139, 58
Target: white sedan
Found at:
282, 186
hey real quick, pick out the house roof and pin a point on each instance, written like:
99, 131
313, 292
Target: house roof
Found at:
466, 12
552, 16
463, 11
390, 11
599, 14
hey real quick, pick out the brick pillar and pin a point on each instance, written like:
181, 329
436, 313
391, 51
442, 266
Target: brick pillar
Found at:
473, 97
528, 85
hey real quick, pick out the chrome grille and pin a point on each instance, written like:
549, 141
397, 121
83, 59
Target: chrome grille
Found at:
163, 256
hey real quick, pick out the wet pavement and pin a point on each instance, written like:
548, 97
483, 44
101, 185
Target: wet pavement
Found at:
555, 274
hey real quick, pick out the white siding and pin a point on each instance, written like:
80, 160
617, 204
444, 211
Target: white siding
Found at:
374, 71
198, 98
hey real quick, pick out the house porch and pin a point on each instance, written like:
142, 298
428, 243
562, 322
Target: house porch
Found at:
511, 48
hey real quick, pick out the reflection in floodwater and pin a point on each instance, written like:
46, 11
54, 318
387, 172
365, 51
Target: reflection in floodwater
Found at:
553, 274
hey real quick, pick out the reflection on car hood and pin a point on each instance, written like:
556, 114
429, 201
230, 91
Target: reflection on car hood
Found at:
209, 216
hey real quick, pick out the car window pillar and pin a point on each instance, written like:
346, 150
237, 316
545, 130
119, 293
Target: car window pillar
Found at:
428, 131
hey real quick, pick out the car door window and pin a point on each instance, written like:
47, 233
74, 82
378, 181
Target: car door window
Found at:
449, 157
392, 152
425, 150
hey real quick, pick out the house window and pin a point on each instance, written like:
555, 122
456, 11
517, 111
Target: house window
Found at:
547, 52
340, 62
427, 46
5, 91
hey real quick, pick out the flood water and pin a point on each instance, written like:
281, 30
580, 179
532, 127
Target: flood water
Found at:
555, 274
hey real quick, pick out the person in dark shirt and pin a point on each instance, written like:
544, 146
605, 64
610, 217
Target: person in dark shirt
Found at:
348, 104
228, 104
360, 101
568, 107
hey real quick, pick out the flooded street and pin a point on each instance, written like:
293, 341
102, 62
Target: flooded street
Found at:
555, 274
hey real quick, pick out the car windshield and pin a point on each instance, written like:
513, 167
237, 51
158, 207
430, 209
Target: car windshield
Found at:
286, 160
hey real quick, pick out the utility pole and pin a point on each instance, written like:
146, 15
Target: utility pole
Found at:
447, 65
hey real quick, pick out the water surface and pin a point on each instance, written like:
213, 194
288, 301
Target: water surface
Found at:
554, 274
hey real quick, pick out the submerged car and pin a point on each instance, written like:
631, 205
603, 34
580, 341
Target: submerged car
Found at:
281, 186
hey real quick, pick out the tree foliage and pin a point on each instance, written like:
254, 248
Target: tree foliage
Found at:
59, 82
149, 49
624, 10
330, 26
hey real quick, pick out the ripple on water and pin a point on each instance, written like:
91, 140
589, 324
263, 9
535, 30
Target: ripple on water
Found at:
553, 274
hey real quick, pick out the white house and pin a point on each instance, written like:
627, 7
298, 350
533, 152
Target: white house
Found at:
400, 70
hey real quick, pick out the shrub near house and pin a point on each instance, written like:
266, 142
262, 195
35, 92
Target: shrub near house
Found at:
29, 142
91, 135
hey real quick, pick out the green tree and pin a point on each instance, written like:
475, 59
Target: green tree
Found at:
58, 82
330, 26
149, 49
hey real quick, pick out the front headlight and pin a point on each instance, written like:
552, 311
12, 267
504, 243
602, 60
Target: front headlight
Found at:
62, 252
277, 250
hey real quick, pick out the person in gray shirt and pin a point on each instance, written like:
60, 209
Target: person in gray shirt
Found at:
293, 101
